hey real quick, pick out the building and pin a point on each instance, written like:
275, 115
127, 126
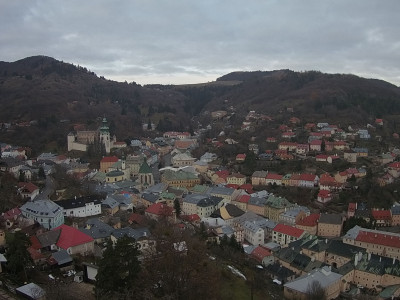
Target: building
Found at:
182, 160
107, 162
330, 225
45, 212
309, 224
274, 206
28, 190
74, 241
81, 207
377, 242
284, 234
324, 277
82, 139
179, 178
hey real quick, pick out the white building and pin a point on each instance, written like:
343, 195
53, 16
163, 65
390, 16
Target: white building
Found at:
81, 207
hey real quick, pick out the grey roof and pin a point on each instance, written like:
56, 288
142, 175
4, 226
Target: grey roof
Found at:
257, 201
324, 276
260, 174
97, 229
248, 216
252, 226
123, 200
110, 202
294, 211
157, 188
395, 210
330, 219
352, 233
32, 290
209, 201
280, 272
221, 190
249, 249
150, 197
130, 232
342, 249
49, 238
195, 198
44, 208
61, 257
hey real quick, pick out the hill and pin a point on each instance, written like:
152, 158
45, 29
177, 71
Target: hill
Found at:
54, 95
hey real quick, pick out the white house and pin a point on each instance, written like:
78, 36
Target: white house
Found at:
81, 207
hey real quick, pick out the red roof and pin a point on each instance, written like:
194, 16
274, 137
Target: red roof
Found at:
35, 254
11, 214
29, 186
191, 218
244, 198
316, 142
381, 214
241, 156
289, 230
288, 144
395, 165
70, 237
307, 177
274, 176
378, 239
260, 252
159, 209
232, 186
108, 159
324, 194
311, 220
136, 218
352, 207
35, 244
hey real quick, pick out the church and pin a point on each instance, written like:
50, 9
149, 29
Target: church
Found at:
80, 140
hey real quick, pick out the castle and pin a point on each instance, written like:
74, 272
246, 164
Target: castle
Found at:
80, 140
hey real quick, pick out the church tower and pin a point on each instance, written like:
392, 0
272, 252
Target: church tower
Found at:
145, 175
105, 136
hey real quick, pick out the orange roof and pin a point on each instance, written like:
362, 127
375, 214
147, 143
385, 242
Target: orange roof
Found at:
324, 194
307, 177
159, 209
274, 176
29, 186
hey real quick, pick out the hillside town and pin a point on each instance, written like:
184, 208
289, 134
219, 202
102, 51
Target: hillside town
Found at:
298, 199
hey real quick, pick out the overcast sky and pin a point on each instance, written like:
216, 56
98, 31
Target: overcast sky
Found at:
185, 41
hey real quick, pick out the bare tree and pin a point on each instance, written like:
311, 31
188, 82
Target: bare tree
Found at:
315, 291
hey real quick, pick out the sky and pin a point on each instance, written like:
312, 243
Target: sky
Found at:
187, 41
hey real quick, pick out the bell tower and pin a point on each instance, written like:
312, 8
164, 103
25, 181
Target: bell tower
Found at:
105, 135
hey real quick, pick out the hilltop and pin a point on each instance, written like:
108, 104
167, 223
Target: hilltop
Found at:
54, 95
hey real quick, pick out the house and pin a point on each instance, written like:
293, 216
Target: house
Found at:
46, 212
258, 178
257, 205
324, 196
159, 211
324, 277
106, 162
382, 217
394, 169
31, 291
226, 193
98, 230
110, 205
361, 152
273, 178
253, 233
236, 178
395, 210
293, 214
262, 255
350, 156
74, 241
81, 207
302, 148
28, 190
315, 145
287, 146
182, 160
309, 223
274, 206
228, 213
330, 225
179, 178
142, 236
288, 135
240, 157
284, 234
308, 180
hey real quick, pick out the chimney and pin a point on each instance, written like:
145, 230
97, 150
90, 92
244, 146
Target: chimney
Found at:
369, 256
380, 258
356, 205
356, 259
394, 260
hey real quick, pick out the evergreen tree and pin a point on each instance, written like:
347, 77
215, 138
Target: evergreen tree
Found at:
118, 269
177, 207
18, 257
41, 173
21, 177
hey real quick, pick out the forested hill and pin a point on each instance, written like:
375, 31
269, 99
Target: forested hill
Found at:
55, 95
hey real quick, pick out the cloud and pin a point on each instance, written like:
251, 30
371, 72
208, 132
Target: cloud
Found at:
180, 40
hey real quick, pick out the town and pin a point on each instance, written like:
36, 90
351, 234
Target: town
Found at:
303, 210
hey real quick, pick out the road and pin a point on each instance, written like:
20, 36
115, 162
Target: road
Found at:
47, 190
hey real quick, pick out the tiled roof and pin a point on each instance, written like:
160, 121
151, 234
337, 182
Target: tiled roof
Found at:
311, 220
108, 159
381, 214
308, 177
289, 230
378, 238
29, 186
273, 176
330, 219
159, 209
71, 237
260, 252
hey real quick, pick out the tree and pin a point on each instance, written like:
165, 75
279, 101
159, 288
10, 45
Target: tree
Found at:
41, 173
21, 177
18, 257
315, 291
118, 269
177, 207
